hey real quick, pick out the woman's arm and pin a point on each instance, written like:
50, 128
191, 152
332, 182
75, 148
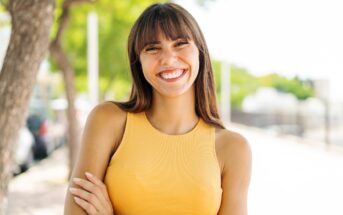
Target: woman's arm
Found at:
236, 174
102, 133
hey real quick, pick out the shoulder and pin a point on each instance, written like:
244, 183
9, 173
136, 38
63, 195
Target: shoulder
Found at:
231, 140
108, 117
108, 113
232, 148
107, 109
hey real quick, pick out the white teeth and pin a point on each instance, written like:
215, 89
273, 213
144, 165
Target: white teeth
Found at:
171, 75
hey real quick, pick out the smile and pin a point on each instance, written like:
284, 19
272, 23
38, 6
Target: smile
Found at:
172, 75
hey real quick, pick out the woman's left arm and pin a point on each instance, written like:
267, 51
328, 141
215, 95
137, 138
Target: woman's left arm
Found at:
235, 175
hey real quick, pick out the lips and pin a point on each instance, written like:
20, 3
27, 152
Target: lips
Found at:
169, 71
172, 74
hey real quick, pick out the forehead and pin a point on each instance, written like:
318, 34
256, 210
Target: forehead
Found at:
160, 37
156, 29
171, 33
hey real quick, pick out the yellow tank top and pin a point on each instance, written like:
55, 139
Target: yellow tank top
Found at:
154, 173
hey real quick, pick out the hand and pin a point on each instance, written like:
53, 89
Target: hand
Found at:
92, 196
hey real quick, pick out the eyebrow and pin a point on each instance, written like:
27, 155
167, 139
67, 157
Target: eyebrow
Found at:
152, 43
159, 42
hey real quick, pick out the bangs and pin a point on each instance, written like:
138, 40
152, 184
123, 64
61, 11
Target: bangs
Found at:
161, 20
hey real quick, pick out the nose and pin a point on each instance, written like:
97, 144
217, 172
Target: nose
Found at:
168, 57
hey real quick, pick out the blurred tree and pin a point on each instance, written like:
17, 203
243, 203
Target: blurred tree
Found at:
60, 57
217, 76
244, 83
302, 89
3, 22
31, 21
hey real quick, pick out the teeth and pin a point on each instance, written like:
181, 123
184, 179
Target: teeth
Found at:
171, 75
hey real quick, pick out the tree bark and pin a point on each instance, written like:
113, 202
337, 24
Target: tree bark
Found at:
31, 23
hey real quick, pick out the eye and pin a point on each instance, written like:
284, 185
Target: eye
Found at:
181, 43
151, 49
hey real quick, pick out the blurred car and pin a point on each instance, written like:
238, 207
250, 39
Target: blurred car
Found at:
23, 157
38, 127
48, 136
44, 122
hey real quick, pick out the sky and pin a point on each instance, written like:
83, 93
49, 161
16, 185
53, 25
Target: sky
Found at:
293, 37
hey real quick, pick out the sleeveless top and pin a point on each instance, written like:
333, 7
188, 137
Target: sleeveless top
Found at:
154, 173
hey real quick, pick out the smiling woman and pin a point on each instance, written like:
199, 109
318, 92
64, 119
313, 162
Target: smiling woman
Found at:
170, 66
165, 151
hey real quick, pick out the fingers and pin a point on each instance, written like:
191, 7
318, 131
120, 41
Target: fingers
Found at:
92, 195
91, 188
99, 183
86, 200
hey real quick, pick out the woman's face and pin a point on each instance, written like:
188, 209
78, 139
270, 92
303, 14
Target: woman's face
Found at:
170, 66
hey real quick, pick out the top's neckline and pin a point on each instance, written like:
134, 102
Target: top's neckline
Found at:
188, 133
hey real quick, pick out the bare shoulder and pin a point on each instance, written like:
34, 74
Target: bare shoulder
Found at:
232, 148
234, 155
109, 118
230, 139
109, 113
104, 127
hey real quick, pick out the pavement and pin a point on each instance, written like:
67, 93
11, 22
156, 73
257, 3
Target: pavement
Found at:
40, 190
290, 176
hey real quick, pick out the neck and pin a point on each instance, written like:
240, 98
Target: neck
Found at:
173, 115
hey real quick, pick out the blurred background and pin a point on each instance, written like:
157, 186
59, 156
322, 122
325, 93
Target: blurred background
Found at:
278, 71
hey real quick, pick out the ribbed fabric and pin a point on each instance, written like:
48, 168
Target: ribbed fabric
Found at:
153, 173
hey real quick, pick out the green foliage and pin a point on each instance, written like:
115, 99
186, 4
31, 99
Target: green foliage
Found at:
302, 89
243, 84
3, 4
4, 22
217, 79
121, 89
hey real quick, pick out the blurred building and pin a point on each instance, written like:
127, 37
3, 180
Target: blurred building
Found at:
284, 113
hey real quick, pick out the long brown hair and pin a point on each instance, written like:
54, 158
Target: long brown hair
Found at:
175, 22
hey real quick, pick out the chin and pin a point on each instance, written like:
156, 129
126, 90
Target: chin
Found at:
175, 93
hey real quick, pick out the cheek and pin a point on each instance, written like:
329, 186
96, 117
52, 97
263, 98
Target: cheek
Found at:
148, 62
195, 62
145, 64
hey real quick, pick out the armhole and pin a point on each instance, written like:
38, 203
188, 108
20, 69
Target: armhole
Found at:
124, 139
215, 151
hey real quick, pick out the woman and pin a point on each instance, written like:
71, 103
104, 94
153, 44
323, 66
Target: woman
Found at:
165, 151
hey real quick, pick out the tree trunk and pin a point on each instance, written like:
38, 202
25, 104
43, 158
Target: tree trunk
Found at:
31, 23
63, 64
73, 126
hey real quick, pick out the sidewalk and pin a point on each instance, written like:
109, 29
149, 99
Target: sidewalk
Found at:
40, 190
290, 177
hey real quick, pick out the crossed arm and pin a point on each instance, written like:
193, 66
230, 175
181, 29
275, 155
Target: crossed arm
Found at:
87, 194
